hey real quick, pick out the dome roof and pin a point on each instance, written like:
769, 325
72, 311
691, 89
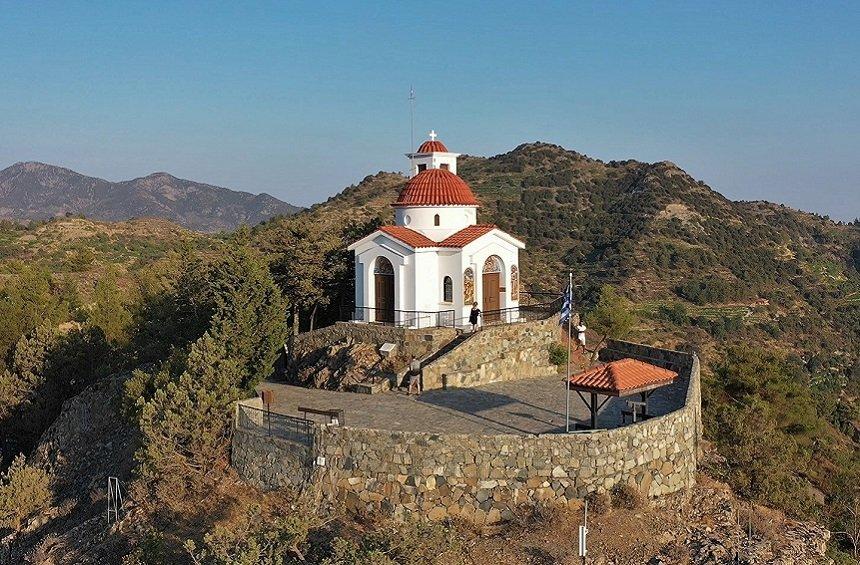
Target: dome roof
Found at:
432, 146
436, 187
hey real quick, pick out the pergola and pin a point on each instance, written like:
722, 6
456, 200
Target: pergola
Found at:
624, 377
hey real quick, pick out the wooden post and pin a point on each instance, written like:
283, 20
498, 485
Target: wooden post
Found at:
593, 410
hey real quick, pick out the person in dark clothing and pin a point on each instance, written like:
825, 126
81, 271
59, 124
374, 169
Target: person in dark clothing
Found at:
473, 316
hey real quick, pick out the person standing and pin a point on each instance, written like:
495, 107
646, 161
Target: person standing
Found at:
414, 376
473, 316
580, 334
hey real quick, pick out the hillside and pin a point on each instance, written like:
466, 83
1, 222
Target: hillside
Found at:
36, 191
651, 229
769, 296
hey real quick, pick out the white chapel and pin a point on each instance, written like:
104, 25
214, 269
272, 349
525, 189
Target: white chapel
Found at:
436, 261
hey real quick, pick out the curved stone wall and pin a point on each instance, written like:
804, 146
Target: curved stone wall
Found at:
484, 478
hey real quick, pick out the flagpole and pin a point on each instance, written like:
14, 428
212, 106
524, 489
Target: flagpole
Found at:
567, 375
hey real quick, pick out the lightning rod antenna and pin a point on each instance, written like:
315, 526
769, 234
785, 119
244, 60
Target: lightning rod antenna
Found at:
411, 119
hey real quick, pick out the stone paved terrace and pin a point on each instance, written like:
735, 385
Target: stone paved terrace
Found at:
529, 406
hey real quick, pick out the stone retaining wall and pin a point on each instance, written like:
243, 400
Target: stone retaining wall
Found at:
496, 353
485, 478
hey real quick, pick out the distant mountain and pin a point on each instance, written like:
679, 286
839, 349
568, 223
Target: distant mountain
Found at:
33, 191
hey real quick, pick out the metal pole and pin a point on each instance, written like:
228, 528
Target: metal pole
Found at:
567, 374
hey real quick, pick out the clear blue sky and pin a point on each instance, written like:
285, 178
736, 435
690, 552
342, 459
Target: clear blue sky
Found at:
300, 99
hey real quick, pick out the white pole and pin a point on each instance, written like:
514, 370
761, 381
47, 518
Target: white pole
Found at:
567, 374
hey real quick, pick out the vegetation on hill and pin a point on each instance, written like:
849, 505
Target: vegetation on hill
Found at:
768, 295
704, 273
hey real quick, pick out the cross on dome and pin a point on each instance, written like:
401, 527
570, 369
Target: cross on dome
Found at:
432, 135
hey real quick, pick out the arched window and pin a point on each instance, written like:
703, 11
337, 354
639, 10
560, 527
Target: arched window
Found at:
447, 290
468, 286
436, 220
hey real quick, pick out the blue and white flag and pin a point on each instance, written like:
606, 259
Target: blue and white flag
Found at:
566, 305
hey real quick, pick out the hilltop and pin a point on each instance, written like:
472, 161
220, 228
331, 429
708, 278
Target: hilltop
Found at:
36, 191
650, 228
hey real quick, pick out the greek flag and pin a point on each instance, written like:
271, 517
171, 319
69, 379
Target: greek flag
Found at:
566, 305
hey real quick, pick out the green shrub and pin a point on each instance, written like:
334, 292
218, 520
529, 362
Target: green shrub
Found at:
416, 542
24, 490
557, 354
674, 312
258, 540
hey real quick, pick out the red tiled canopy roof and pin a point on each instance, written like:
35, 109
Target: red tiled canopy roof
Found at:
416, 239
622, 377
436, 187
432, 146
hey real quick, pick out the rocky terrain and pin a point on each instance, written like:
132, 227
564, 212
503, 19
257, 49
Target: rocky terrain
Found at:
344, 364
36, 191
86, 444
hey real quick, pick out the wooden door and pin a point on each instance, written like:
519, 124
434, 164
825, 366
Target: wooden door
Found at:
491, 297
384, 298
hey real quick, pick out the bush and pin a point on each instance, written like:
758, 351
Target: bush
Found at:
257, 540
674, 312
557, 354
599, 503
418, 543
24, 490
626, 496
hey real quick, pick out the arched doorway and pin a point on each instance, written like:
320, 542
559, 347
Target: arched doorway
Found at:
383, 277
491, 288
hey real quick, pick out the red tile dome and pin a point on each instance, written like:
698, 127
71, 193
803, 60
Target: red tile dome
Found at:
432, 146
436, 187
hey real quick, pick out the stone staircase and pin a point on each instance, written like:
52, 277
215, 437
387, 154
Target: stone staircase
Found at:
462, 336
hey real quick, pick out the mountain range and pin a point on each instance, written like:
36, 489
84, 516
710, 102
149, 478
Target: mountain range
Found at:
37, 191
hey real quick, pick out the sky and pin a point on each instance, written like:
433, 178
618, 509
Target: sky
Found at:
299, 99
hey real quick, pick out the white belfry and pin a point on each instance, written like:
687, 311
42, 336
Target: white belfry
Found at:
436, 261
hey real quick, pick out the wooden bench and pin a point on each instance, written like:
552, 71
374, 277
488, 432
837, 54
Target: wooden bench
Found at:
636, 410
335, 416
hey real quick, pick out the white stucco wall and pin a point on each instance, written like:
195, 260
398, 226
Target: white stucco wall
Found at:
422, 219
433, 161
419, 274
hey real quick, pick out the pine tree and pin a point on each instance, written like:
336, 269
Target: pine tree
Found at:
23, 491
185, 427
110, 311
613, 315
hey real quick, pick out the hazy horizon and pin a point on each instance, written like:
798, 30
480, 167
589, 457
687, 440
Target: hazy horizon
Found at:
300, 101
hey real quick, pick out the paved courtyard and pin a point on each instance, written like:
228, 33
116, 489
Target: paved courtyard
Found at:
530, 406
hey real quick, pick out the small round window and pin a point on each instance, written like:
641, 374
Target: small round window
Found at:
407, 220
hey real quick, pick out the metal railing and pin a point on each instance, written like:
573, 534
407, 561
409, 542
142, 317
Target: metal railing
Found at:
259, 420
404, 318
518, 314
